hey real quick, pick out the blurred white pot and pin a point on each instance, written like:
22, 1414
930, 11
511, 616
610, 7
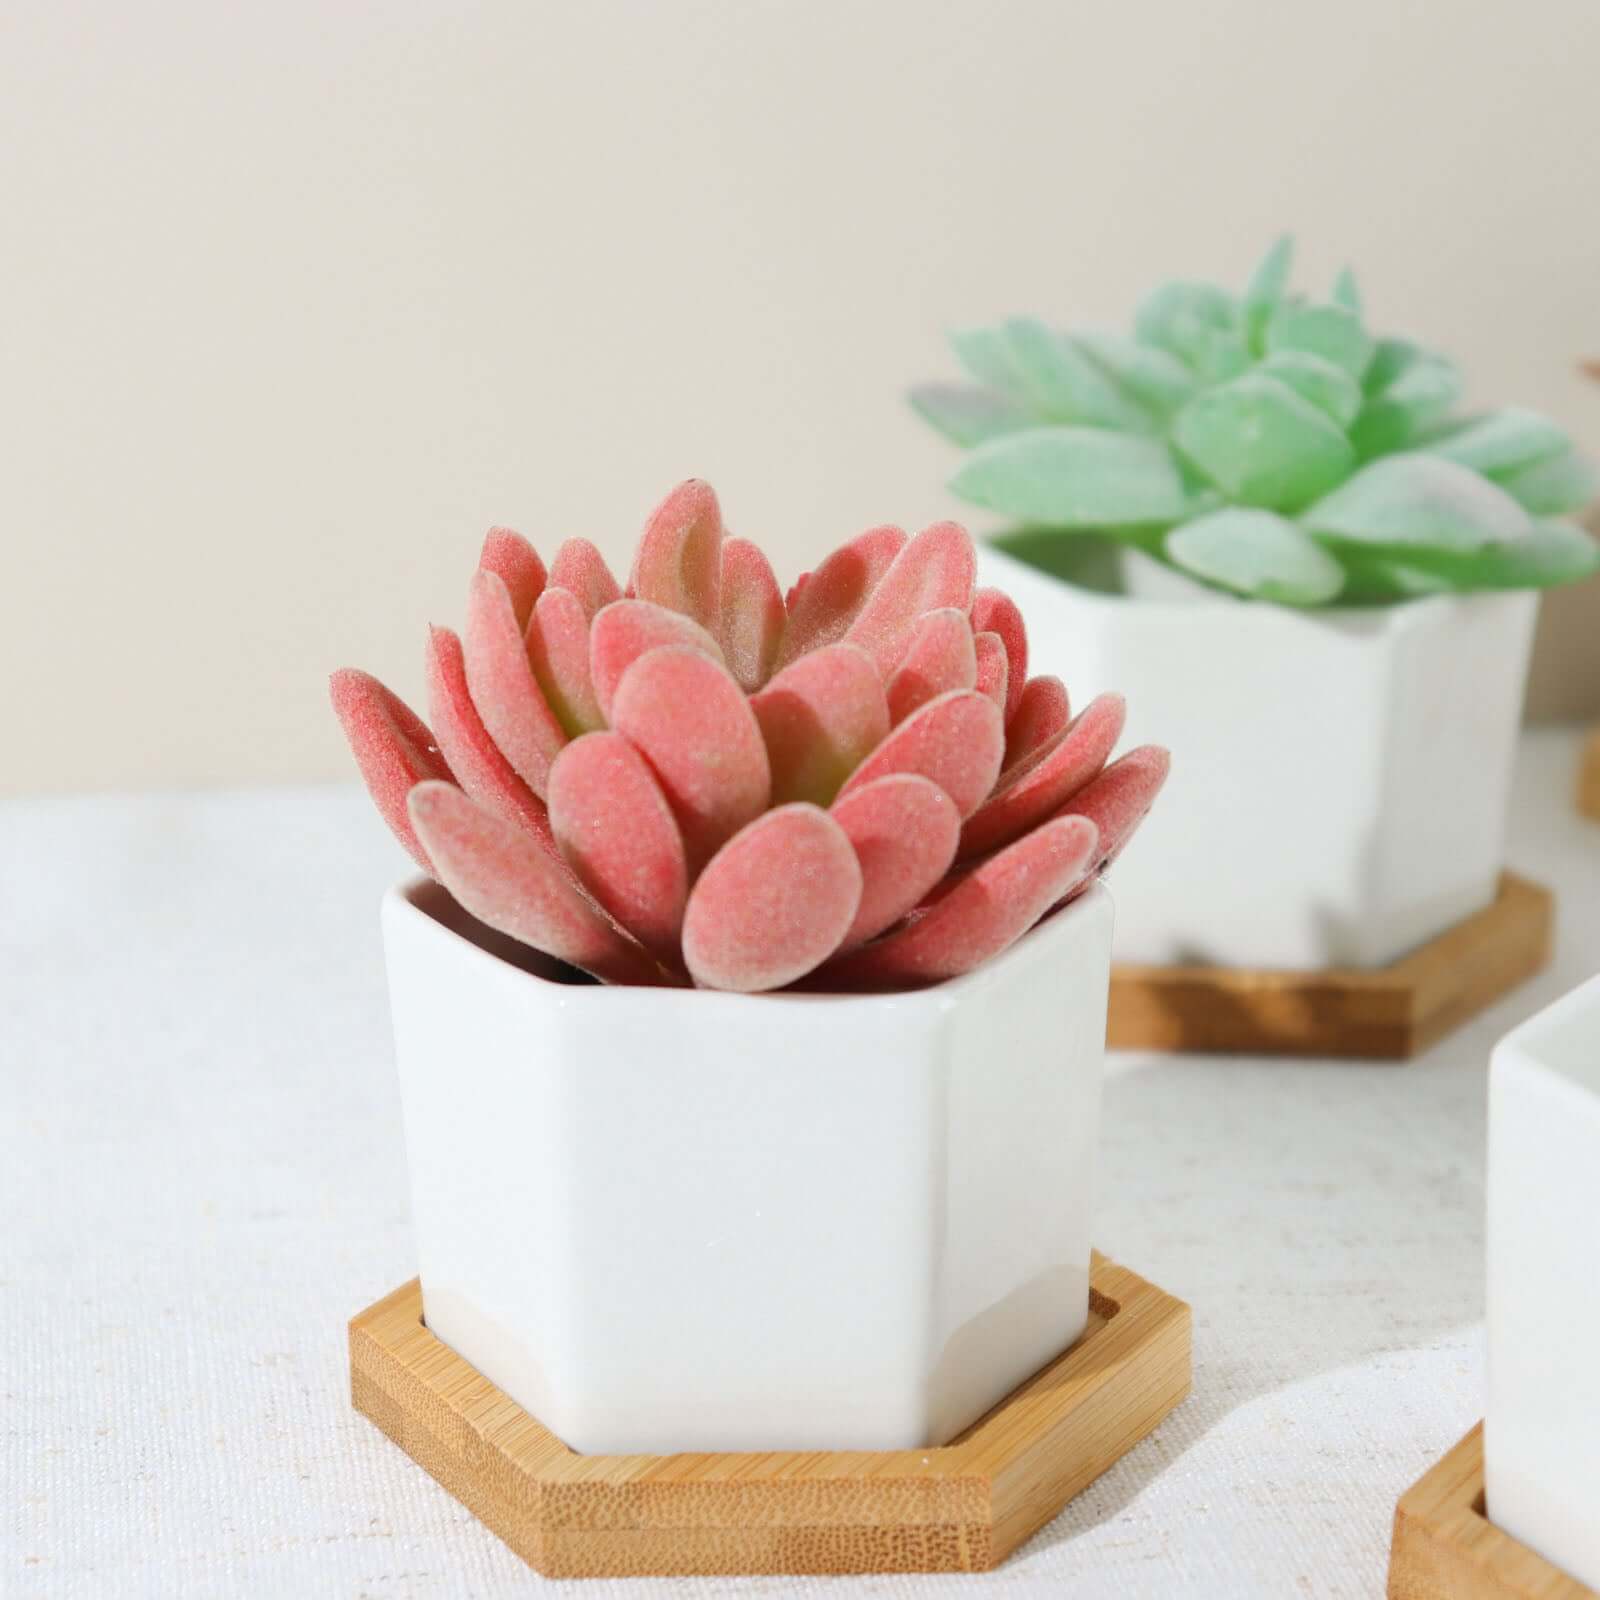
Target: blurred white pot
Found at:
1339, 779
1541, 1435
668, 1220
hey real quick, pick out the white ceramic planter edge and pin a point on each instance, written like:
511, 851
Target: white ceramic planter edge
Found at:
1542, 1421
1340, 779
858, 1228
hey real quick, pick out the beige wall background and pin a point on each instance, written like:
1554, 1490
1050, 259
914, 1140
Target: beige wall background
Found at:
299, 298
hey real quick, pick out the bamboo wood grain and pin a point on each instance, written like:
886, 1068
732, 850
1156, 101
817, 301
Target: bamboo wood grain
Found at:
1387, 1013
1589, 777
960, 1508
1445, 1547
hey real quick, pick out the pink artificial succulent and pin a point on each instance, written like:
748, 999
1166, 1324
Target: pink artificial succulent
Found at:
704, 780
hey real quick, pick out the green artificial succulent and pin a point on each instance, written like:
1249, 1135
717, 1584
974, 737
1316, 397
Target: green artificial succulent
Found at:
1266, 444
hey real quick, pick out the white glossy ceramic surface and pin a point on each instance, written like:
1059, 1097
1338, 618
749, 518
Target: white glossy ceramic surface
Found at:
1542, 1430
667, 1220
1339, 780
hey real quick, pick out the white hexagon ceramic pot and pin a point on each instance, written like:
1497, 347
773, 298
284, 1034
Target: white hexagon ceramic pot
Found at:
675, 1220
1340, 778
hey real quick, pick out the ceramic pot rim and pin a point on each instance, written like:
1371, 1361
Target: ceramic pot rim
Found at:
420, 900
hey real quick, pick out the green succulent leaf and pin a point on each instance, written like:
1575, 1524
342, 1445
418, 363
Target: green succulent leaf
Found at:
1409, 403
1070, 477
1180, 318
1266, 289
1263, 444
1331, 332
1419, 501
986, 354
1271, 277
1550, 553
1502, 441
1383, 427
1430, 385
1066, 385
1329, 388
1375, 580
1347, 292
1553, 487
1390, 357
1257, 553
1221, 354
1154, 377
1266, 443
968, 413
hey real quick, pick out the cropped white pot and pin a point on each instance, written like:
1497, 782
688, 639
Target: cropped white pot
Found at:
1339, 779
1542, 1431
678, 1221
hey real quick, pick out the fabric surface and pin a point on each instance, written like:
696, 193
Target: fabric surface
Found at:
202, 1178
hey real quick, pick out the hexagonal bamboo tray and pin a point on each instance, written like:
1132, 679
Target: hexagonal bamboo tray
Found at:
961, 1507
1446, 1548
1386, 1013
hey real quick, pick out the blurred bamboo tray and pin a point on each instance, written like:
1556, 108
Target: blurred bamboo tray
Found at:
961, 1507
1446, 1548
1387, 1013
1589, 777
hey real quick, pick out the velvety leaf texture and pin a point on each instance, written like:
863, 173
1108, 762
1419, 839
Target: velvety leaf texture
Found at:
1262, 444
1074, 478
708, 781
1268, 401
1419, 500
1550, 488
1257, 553
968, 413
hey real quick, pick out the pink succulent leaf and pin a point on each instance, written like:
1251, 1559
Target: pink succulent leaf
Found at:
940, 657
820, 718
679, 561
981, 915
1119, 799
994, 671
474, 757
625, 629
1043, 711
1041, 788
502, 685
580, 569
935, 569
753, 614
824, 604
507, 553
689, 729
393, 747
692, 723
904, 830
773, 903
993, 611
955, 740
618, 834
504, 879
558, 651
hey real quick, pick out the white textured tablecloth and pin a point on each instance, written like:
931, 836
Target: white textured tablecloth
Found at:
201, 1179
